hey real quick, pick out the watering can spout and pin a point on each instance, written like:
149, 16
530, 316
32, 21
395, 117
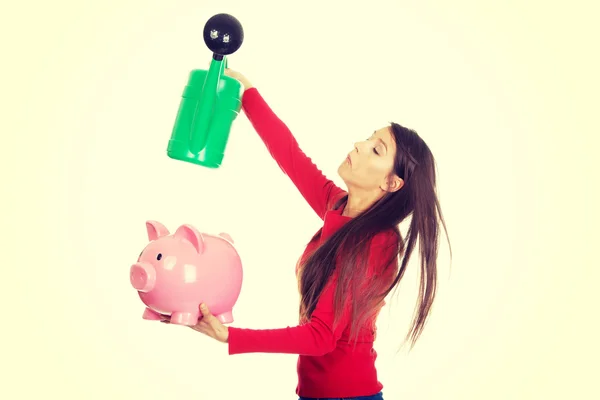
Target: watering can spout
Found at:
199, 131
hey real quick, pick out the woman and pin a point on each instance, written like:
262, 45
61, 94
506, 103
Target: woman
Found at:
351, 263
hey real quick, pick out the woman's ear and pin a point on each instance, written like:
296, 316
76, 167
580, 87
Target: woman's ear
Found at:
394, 183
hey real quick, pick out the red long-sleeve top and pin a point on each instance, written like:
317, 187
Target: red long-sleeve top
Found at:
328, 364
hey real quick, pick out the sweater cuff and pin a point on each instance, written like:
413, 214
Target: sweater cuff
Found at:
250, 97
232, 341
248, 93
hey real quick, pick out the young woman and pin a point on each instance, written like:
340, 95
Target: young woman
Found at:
351, 263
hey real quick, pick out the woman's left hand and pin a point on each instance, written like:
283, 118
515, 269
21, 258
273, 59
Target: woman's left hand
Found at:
208, 324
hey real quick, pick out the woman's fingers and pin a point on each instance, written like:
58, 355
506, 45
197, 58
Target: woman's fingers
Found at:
165, 319
202, 327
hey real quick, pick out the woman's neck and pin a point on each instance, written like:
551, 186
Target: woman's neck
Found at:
357, 203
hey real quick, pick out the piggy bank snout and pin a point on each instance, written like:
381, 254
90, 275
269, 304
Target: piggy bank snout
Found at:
142, 276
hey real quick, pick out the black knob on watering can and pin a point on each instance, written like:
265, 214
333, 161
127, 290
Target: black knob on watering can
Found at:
211, 100
223, 35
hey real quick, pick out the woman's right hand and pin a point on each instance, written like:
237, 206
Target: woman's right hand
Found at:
239, 77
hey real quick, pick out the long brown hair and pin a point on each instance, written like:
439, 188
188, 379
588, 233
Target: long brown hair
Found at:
346, 251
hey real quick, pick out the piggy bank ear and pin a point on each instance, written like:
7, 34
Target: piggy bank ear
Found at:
192, 235
227, 237
155, 230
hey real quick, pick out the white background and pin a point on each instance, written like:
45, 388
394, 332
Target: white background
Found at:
502, 93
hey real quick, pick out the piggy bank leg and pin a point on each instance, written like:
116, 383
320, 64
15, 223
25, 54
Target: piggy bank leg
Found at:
226, 317
151, 315
185, 318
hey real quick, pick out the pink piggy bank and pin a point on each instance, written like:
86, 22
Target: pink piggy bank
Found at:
175, 273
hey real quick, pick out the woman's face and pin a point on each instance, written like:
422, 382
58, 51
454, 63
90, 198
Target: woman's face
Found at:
370, 165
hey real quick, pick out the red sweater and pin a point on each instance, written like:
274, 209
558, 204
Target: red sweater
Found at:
328, 365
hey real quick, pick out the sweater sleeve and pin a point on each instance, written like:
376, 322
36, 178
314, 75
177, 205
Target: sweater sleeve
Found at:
315, 338
313, 185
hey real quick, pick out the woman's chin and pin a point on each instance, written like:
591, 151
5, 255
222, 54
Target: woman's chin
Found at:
344, 173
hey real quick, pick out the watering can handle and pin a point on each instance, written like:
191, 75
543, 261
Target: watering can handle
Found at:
204, 113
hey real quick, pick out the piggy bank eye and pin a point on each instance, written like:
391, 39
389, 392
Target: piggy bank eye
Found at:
159, 256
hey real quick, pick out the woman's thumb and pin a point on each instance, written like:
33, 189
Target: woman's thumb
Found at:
206, 315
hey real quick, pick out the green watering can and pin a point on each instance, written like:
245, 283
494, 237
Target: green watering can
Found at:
210, 101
